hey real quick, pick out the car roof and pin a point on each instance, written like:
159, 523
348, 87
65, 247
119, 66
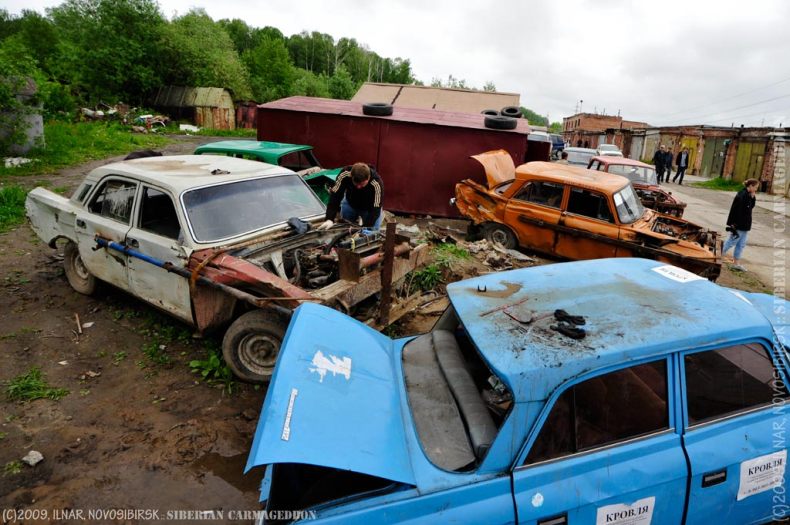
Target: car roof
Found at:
183, 172
634, 309
264, 150
608, 159
580, 150
568, 174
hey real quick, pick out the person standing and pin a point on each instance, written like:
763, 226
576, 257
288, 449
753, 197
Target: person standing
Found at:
659, 159
682, 162
563, 158
739, 221
668, 164
357, 193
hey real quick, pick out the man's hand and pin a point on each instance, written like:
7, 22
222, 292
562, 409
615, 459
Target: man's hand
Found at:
325, 225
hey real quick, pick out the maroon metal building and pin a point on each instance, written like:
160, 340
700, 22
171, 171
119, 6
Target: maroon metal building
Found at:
420, 153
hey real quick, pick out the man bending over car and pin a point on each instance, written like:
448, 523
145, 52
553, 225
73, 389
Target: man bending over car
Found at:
357, 193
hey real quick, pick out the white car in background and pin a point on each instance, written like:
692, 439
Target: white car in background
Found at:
609, 149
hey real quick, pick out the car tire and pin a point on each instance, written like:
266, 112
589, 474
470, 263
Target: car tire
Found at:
77, 274
500, 122
511, 111
377, 109
491, 112
251, 345
501, 235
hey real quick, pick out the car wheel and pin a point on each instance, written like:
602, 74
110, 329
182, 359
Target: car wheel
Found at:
511, 111
500, 122
76, 273
377, 109
501, 235
251, 345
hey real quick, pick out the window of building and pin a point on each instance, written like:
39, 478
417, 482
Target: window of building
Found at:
114, 200
589, 204
603, 410
158, 214
730, 380
543, 193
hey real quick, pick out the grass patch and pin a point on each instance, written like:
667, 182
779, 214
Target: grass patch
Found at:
427, 278
69, 143
12, 207
240, 132
12, 467
32, 385
719, 184
213, 369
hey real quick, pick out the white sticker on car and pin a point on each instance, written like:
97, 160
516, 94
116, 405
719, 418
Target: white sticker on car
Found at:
286, 435
677, 274
639, 512
537, 500
761, 474
334, 364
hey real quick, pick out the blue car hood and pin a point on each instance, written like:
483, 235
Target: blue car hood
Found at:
334, 400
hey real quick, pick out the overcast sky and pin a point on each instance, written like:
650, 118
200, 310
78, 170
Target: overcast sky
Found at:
671, 62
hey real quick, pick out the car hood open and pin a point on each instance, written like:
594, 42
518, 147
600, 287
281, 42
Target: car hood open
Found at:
498, 165
334, 400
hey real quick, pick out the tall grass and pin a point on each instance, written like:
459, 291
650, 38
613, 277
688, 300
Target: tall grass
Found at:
719, 184
12, 207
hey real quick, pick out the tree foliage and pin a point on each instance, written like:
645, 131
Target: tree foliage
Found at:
534, 118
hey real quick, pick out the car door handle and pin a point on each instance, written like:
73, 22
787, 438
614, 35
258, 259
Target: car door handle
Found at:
714, 478
132, 243
80, 223
554, 520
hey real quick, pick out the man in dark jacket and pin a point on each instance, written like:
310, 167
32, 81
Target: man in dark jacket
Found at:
739, 221
682, 162
668, 164
659, 159
357, 193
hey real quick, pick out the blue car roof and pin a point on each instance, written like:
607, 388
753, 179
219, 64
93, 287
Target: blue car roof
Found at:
634, 309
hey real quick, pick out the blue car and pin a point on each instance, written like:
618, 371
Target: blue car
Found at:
612, 391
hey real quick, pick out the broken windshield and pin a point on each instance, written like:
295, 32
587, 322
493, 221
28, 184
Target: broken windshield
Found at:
629, 207
229, 210
643, 174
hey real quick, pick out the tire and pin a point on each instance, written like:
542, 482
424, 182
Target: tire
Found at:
251, 345
500, 122
511, 111
501, 235
491, 112
76, 273
377, 109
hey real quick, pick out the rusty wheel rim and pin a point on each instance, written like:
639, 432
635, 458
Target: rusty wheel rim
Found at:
258, 352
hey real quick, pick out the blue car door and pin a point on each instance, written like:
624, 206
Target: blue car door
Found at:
735, 433
606, 451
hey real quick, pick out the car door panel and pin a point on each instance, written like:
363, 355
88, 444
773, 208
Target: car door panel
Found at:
535, 221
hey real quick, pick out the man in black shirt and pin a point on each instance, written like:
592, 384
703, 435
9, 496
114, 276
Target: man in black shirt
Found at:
739, 221
357, 193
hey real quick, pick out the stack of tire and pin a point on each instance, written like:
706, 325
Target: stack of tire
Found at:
502, 119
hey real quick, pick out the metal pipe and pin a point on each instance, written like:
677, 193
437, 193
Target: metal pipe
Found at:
377, 257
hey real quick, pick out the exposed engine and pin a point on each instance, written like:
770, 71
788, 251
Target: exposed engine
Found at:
684, 231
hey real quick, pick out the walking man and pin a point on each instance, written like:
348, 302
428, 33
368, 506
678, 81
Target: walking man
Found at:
659, 158
682, 162
668, 164
739, 221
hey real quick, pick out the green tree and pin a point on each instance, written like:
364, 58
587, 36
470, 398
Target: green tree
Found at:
534, 118
309, 84
271, 71
341, 85
198, 52
17, 69
489, 87
111, 47
556, 127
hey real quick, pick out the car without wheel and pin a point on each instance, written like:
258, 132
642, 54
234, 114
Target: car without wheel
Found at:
217, 242
616, 391
576, 213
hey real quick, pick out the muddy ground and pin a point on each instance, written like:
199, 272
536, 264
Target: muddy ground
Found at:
137, 430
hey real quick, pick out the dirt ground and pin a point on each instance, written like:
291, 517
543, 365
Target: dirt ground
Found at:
132, 433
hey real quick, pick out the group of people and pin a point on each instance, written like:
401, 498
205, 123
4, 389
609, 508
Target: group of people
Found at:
663, 162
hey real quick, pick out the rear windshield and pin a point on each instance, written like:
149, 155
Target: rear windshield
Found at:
457, 403
581, 158
228, 210
642, 174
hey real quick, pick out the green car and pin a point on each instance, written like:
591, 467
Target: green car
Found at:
296, 157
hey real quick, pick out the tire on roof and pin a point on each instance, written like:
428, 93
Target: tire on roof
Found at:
491, 112
511, 111
500, 122
377, 109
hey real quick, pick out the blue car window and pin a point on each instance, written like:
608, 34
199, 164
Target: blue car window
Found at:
730, 380
605, 409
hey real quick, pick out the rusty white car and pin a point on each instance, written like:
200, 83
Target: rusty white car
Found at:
217, 242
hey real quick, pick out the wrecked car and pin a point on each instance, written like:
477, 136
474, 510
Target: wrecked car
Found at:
643, 177
296, 157
532, 401
575, 213
219, 243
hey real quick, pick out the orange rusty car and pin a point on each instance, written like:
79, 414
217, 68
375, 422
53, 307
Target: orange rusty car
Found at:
643, 177
575, 213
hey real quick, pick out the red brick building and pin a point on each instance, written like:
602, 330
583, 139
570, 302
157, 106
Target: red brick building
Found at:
587, 130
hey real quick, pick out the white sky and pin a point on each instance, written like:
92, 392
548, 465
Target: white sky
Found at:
669, 62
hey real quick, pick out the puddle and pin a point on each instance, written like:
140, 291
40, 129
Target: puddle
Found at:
230, 469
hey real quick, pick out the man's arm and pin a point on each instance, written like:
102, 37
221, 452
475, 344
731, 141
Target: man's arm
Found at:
336, 193
378, 194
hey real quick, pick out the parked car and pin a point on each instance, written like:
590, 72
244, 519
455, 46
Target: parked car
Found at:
643, 177
557, 145
579, 156
608, 149
577, 213
216, 242
296, 157
617, 391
